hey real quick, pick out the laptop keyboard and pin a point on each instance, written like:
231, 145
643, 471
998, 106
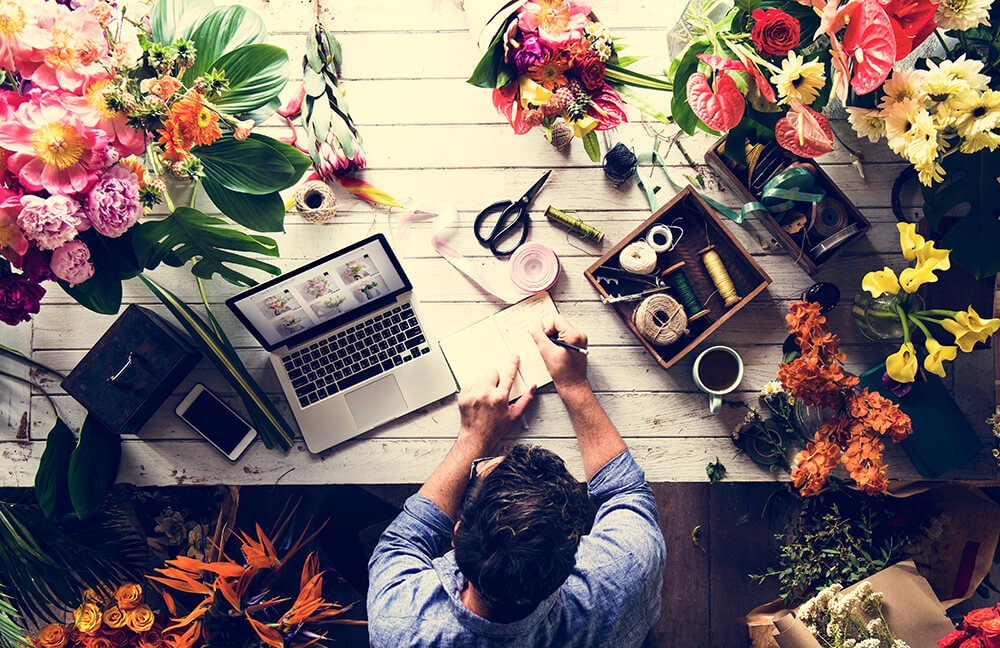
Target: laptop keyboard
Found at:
355, 354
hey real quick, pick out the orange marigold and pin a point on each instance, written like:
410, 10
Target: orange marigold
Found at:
196, 119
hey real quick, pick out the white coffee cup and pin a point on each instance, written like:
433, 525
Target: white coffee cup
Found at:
717, 371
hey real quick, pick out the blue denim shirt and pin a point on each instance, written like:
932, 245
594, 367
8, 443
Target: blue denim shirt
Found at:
612, 597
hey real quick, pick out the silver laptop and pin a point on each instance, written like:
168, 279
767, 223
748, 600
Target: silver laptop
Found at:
346, 341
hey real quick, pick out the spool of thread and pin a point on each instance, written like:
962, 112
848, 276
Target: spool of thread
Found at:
637, 258
316, 202
660, 319
720, 276
685, 294
534, 267
620, 163
575, 225
660, 238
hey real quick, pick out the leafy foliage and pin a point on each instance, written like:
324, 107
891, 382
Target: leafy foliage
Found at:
222, 31
715, 470
11, 635
490, 72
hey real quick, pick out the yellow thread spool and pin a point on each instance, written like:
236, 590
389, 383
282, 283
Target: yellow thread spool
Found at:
575, 225
720, 276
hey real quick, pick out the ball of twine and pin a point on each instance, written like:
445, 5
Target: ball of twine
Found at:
638, 258
561, 135
316, 202
660, 319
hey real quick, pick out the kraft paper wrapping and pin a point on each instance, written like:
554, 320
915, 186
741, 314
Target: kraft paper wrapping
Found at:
912, 611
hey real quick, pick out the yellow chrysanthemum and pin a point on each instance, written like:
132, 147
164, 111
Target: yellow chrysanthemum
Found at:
942, 86
928, 174
962, 14
924, 143
966, 70
977, 112
799, 80
867, 122
979, 141
903, 85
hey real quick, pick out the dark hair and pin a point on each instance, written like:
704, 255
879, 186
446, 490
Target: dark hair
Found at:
520, 526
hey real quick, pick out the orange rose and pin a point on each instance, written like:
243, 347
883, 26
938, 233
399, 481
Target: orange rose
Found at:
128, 595
52, 636
98, 642
140, 619
989, 632
150, 639
88, 618
114, 617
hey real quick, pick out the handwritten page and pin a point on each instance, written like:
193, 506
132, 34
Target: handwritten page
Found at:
490, 342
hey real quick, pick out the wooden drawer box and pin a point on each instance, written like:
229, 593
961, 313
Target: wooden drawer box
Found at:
701, 228
735, 179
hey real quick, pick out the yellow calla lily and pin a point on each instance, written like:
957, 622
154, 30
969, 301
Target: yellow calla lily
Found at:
938, 258
880, 282
902, 365
912, 278
936, 355
969, 328
583, 125
909, 240
532, 93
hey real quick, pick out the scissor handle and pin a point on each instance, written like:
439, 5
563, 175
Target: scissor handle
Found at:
504, 225
477, 225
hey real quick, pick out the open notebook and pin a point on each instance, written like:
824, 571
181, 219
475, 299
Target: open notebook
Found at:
490, 343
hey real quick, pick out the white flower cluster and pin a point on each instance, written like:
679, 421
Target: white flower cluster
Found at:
600, 40
848, 620
925, 113
962, 14
772, 388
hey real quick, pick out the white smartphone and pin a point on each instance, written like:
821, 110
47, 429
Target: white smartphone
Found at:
212, 419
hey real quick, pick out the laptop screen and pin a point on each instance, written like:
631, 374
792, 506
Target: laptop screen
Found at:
321, 295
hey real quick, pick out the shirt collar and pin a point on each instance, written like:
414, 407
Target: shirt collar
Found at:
452, 582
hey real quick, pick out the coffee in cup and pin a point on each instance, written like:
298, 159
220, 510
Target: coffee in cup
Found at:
717, 371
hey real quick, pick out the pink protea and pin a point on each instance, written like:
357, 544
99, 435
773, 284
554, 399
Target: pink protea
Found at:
52, 149
93, 110
556, 21
75, 52
11, 236
20, 36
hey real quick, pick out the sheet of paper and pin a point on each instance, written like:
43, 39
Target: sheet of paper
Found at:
514, 324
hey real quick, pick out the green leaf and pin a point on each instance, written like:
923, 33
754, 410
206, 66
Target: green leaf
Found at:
621, 75
261, 213
300, 161
187, 233
93, 467
272, 427
592, 146
172, 19
679, 107
487, 70
256, 74
222, 31
635, 100
114, 260
251, 166
52, 478
715, 471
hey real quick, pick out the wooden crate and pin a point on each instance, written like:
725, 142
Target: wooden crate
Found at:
735, 178
702, 228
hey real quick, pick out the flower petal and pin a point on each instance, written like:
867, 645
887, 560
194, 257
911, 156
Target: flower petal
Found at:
880, 282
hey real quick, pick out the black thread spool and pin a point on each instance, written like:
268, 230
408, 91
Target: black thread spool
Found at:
620, 163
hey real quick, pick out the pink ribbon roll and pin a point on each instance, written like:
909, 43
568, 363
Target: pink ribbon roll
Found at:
534, 267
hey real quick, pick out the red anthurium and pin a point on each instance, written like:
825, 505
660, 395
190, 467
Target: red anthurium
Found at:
804, 132
720, 108
870, 42
607, 107
912, 22
507, 102
720, 63
763, 86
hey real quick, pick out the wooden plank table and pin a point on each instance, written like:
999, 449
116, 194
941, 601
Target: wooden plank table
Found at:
429, 136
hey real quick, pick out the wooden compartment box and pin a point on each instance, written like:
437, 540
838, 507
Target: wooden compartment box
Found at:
701, 228
735, 178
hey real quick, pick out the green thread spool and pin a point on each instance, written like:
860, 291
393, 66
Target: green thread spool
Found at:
575, 225
685, 293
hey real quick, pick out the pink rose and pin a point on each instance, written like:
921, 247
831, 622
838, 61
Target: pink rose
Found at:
71, 263
113, 205
52, 221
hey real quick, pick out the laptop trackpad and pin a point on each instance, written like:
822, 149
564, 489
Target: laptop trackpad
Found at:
376, 403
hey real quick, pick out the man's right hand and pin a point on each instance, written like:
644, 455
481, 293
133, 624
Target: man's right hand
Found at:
567, 368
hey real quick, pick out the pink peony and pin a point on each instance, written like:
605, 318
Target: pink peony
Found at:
556, 21
21, 38
50, 222
75, 52
20, 296
52, 148
113, 205
71, 263
92, 108
11, 235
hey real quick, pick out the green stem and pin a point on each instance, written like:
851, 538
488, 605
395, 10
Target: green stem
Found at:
32, 384
923, 329
932, 320
906, 324
17, 356
938, 311
965, 43
940, 38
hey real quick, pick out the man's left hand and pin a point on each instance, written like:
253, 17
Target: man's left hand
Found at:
485, 410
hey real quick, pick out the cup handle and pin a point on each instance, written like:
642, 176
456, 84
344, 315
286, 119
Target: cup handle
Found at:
714, 403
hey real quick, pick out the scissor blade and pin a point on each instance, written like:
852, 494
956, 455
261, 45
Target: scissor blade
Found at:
529, 195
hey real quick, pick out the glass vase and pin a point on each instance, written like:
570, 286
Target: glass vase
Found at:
877, 318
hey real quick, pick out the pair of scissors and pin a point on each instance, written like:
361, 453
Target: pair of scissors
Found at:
513, 215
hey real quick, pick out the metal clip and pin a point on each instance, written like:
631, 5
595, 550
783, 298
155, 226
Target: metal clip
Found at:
128, 363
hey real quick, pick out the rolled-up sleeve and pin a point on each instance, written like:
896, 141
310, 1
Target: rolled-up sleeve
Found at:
418, 535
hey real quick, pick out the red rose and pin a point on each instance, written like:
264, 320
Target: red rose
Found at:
775, 32
974, 620
971, 642
591, 71
989, 632
952, 639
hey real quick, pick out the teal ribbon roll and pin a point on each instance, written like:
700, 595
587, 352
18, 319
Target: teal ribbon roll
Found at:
781, 192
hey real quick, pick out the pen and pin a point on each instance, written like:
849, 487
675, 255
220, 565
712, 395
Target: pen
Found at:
566, 345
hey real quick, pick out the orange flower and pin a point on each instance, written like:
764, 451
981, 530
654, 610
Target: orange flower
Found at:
88, 618
128, 595
53, 635
186, 640
119, 637
140, 618
98, 642
267, 634
114, 617
150, 639
549, 73
196, 120
260, 553
134, 165
175, 148
812, 465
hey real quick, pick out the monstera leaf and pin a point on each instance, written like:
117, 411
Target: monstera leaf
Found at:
220, 32
213, 244
972, 190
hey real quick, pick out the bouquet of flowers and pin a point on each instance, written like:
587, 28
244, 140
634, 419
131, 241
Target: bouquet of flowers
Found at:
551, 64
120, 620
840, 619
855, 432
892, 301
980, 629
90, 97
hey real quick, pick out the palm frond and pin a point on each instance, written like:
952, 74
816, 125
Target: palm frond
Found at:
11, 633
